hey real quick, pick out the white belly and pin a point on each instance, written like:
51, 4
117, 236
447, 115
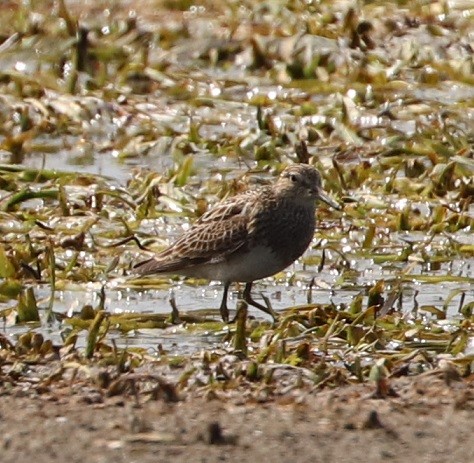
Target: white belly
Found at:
260, 263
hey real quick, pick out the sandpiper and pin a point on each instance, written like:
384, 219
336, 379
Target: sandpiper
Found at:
249, 236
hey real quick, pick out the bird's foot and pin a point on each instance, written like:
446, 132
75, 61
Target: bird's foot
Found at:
264, 308
224, 312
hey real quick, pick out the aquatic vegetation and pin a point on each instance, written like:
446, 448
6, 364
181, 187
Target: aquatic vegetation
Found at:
119, 127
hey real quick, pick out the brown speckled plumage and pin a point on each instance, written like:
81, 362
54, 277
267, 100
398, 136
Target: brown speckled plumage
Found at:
249, 236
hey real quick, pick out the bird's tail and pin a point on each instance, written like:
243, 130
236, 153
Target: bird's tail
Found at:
147, 267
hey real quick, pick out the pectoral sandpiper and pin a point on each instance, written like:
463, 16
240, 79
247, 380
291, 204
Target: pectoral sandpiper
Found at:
247, 237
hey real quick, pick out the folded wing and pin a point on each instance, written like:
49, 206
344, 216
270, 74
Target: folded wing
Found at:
215, 235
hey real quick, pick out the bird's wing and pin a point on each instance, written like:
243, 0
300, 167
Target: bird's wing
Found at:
216, 234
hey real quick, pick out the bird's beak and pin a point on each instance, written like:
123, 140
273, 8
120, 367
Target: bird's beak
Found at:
322, 196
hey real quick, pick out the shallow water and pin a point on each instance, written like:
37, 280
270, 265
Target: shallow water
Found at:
179, 340
358, 107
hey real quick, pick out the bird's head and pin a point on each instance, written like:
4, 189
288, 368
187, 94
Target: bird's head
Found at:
303, 182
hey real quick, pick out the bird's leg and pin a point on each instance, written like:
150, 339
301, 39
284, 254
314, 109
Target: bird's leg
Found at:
249, 300
223, 308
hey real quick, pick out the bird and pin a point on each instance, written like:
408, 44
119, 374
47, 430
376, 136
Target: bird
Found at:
249, 236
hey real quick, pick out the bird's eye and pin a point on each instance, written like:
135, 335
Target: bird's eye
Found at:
293, 177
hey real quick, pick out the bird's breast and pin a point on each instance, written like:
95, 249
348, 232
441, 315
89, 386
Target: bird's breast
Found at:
287, 230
